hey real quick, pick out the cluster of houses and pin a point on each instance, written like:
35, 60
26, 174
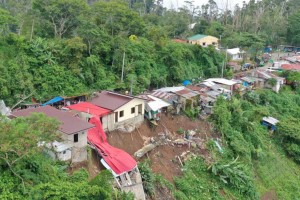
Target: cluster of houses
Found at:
125, 112
106, 111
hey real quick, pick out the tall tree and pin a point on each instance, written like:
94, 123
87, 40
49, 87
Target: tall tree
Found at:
63, 14
293, 34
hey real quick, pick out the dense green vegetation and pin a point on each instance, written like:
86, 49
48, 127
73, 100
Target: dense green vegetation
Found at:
52, 47
70, 47
28, 173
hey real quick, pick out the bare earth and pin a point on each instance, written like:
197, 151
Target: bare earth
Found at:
163, 158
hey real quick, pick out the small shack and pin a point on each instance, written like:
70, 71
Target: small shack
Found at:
154, 107
235, 54
270, 122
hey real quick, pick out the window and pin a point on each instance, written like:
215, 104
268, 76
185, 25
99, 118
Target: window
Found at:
75, 137
214, 43
64, 152
116, 116
122, 113
204, 43
132, 110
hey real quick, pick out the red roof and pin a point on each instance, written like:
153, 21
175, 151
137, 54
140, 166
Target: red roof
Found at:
69, 123
111, 100
118, 160
290, 67
89, 108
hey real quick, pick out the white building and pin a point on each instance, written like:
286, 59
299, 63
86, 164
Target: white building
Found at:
235, 53
227, 86
126, 111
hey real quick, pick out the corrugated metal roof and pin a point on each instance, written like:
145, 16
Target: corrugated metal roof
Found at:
271, 120
197, 37
157, 103
69, 123
221, 81
163, 95
186, 93
200, 89
170, 89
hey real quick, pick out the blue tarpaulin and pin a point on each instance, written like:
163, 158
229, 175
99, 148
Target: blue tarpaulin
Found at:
186, 82
54, 100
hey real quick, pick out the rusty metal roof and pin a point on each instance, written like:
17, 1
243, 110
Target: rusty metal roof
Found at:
186, 93
69, 123
163, 95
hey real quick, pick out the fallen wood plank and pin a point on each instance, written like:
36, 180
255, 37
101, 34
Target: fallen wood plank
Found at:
180, 161
141, 152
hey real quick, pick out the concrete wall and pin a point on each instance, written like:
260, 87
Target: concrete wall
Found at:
236, 56
64, 155
209, 40
79, 151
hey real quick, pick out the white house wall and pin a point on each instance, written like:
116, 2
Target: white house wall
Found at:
127, 109
109, 123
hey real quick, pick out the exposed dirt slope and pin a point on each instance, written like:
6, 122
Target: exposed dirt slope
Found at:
163, 158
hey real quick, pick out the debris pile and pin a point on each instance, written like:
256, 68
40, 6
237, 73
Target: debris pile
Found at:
166, 137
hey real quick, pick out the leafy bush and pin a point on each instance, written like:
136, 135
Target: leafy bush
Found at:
148, 177
234, 174
272, 82
192, 113
180, 130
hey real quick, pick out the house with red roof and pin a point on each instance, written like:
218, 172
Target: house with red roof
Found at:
72, 130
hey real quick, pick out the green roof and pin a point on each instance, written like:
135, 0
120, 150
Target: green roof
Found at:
197, 37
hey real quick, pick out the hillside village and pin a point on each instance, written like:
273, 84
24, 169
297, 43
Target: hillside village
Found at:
124, 100
122, 129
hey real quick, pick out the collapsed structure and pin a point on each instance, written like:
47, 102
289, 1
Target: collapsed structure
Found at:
121, 164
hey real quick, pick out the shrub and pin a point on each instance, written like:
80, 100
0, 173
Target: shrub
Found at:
148, 177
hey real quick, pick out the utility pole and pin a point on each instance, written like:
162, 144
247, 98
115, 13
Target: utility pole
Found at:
222, 69
224, 62
123, 63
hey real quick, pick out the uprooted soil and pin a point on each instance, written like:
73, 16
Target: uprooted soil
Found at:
164, 158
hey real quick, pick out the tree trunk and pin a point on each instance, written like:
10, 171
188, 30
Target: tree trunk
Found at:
32, 27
